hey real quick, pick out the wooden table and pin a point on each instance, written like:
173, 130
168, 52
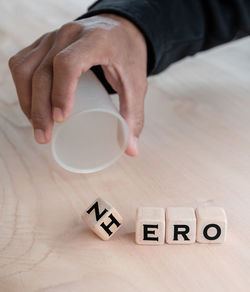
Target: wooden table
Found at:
194, 151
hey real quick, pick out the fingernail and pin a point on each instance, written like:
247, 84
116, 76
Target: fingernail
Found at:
57, 115
40, 136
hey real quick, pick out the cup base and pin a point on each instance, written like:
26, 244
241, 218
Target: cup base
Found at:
89, 141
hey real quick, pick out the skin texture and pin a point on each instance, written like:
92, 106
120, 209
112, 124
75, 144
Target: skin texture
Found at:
46, 73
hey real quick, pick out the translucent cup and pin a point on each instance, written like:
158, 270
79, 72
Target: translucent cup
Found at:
95, 135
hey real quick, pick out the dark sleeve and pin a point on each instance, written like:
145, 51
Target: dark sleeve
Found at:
174, 29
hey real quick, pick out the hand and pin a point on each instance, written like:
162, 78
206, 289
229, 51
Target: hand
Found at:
46, 73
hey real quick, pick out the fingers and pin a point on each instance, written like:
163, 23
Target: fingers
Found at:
46, 74
41, 105
66, 75
132, 97
68, 65
41, 114
42, 82
22, 67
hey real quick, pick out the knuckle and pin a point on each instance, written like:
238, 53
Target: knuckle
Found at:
45, 35
38, 119
21, 70
69, 28
12, 61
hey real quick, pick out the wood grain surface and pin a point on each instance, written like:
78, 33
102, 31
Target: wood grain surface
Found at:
194, 151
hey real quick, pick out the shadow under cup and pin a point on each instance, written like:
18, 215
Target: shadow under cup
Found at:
90, 141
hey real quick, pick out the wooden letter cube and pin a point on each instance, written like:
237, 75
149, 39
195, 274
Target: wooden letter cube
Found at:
180, 225
150, 226
103, 219
211, 224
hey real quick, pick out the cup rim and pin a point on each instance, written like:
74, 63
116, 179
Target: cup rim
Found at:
98, 168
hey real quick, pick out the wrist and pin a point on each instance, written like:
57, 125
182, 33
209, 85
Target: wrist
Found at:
131, 28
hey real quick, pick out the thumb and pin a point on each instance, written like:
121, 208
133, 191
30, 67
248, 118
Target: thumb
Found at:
131, 96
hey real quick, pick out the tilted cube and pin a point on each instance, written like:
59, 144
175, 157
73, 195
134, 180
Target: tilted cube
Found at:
150, 226
103, 219
211, 225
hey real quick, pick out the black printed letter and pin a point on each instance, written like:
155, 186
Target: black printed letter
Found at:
95, 207
179, 232
113, 221
217, 235
146, 232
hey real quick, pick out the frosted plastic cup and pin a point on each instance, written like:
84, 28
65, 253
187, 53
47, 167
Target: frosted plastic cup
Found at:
95, 135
